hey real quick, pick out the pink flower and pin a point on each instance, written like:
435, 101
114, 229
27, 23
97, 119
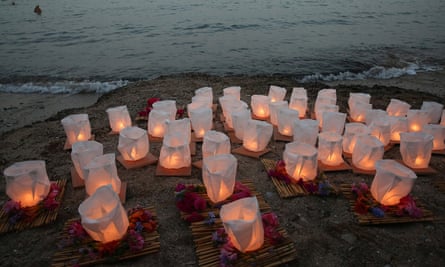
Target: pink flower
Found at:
271, 219
135, 240
194, 217
200, 204
179, 187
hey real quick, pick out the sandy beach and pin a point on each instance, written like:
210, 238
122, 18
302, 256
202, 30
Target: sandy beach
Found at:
324, 229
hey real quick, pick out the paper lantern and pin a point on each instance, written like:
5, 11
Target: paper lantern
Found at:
82, 154
233, 91
442, 121
416, 149
276, 93
101, 171
305, 131
438, 132
392, 182
232, 107
325, 97
77, 128
243, 224
397, 108
260, 106
27, 182
157, 120
417, 119
182, 127
398, 125
367, 151
198, 102
382, 130
298, 101
257, 135
328, 92
227, 102
358, 99
375, 114
352, 131
273, 110
119, 118
301, 161
133, 143
333, 122
218, 174
168, 106
102, 215
324, 108
330, 148
358, 112
175, 151
286, 119
215, 143
205, 93
202, 121
239, 122
434, 109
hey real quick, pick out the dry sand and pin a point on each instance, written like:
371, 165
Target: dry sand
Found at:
324, 230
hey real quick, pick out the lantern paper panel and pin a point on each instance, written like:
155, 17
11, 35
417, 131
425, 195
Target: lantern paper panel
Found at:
82, 154
239, 122
286, 119
306, 131
234, 91
434, 109
119, 118
417, 119
391, 182
298, 101
438, 133
215, 143
77, 128
416, 149
367, 151
382, 130
352, 131
358, 99
301, 161
243, 224
276, 93
397, 108
329, 93
299, 92
232, 107
218, 174
175, 151
257, 135
27, 182
325, 97
330, 150
133, 143
375, 114
442, 121
206, 93
324, 104
101, 171
398, 125
202, 121
358, 112
199, 102
273, 110
333, 122
324, 108
168, 106
157, 123
103, 216
182, 127
260, 106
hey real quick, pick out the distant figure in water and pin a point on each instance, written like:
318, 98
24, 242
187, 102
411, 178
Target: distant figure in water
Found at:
37, 10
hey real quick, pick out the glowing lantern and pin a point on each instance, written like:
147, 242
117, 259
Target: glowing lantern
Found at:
77, 128
416, 149
417, 118
233, 91
330, 148
368, 149
442, 122
229, 101
257, 135
243, 224
157, 122
305, 131
325, 97
397, 108
182, 127
273, 110
276, 93
392, 182
218, 174
398, 125
358, 99
202, 120
239, 121
333, 122
382, 130
434, 109
27, 182
375, 114
324, 108
196, 105
301, 161
204, 94
168, 106
215, 143
175, 151
438, 132
83, 153
232, 107
133, 143
260, 106
352, 131
119, 118
103, 216
358, 112
286, 118
101, 171
299, 103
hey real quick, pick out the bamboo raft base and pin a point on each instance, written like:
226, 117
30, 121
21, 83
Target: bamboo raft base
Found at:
390, 217
45, 217
68, 255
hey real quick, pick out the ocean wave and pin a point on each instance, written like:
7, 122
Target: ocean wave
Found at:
63, 87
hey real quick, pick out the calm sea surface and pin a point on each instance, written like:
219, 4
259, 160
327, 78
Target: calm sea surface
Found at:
110, 40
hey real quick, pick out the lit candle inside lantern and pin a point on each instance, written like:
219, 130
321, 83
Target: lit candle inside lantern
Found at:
276, 93
330, 148
201, 120
417, 119
119, 118
175, 151
260, 105
416, 149
218, 174
300, 161
133, 143
157, 122
257, 135
77, 128
368, 149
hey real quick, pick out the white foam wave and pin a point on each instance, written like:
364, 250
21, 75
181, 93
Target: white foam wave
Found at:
63, 87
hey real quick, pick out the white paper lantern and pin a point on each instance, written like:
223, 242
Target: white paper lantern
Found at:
375, 114
330, 148
276, 93
416, 149
397, 108
82, 154
398, 125
175, 151
239, 121
417, 119
157, 120
434, 109
101, 171
358, 112
227, 102
133, 143
333, 122
77, 128
182, 127
438, 132
301, 161
196, 105
202, 121
168, 106
298, 101
218, 174
233, 91
306, 131
324, 108
215, 143
382, 130
232, 107
205, 93
273, 110
358, 99
392, 182
260, 106
243, 224
103, 216
325, 97
27, 182
328, 92
119, 118
367, 151
257, 135
286, 119
352, 131
442, 121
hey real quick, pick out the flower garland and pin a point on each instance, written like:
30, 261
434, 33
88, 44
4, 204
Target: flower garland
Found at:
16, 213
144, 112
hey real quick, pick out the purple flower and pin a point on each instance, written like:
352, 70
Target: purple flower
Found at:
179, 187
135, 241
377, 212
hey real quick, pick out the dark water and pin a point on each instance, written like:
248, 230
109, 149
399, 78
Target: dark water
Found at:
106, 40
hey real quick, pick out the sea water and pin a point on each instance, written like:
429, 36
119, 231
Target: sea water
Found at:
99, 45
